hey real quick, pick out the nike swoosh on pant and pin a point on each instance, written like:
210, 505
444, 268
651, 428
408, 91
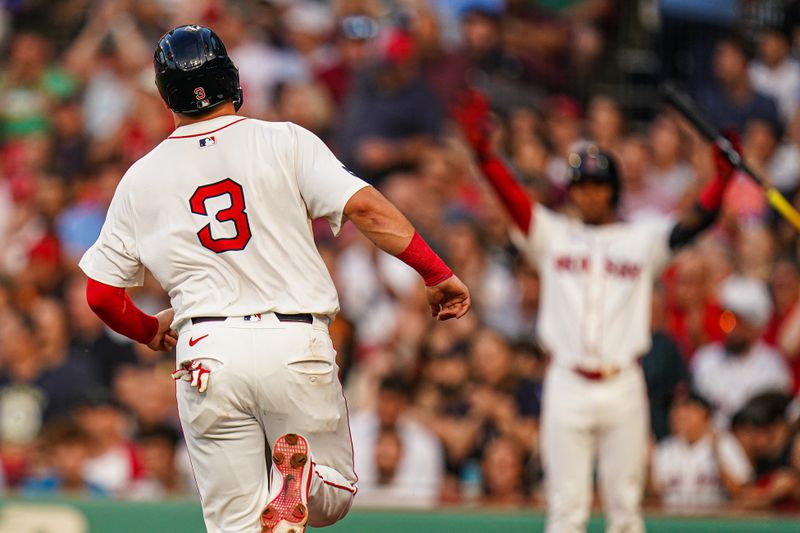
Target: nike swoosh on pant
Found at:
192, 341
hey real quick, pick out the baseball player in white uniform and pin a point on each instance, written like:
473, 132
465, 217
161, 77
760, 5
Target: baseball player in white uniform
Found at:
220, 214
597, 277
692, 469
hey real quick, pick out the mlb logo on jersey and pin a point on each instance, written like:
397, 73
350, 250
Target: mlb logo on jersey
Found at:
207, 141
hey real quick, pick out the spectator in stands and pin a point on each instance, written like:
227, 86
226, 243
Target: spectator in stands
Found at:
522, 320
783, 330
305, 104
777, 161
692, 311
355, 38
664, 370
693, 469
157, 449
565, 129
91, 339
106, 56
501, 403
503, 474
641, 197
446, 69
465, 249
733, 102
775, 73
31, 83
773, 446
442, 404
728, 374
501, 73
392, 114
668, 166
754, 250
687, 35
262, 65
606, 123
64, 451
412, 470
113, 462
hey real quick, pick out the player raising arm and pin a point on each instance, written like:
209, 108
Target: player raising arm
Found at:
473, 117
597, 276
220, 213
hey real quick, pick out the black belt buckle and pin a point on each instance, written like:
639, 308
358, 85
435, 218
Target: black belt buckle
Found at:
304, 318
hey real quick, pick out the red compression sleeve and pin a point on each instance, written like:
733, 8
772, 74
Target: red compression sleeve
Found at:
515, 199
710, 197
419, 256
114, 307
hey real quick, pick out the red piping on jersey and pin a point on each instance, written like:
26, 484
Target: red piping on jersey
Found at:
206, 132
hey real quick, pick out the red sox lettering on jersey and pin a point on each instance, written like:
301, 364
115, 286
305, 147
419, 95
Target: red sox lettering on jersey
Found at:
596, 286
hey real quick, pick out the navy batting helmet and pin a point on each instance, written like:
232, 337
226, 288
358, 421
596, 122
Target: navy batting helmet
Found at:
595, 166
194, 72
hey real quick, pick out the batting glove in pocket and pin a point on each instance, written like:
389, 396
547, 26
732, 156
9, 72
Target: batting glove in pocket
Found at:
194, 372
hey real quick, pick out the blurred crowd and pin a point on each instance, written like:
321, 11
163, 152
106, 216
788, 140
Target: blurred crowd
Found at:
441, 413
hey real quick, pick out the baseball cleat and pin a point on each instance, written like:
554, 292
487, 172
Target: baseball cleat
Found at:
287, 510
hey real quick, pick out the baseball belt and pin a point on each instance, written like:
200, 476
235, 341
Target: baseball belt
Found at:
305, 318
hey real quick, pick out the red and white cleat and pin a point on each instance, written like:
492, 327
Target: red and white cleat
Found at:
287, 510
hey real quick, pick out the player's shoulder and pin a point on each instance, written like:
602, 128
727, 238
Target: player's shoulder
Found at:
144, 166
285, 134
288, 129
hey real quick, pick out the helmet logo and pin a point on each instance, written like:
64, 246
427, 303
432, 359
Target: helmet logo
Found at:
199, 93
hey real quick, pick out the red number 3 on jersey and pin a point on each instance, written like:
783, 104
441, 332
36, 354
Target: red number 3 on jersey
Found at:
235, 213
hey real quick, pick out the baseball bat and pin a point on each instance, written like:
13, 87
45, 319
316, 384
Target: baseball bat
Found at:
683, 103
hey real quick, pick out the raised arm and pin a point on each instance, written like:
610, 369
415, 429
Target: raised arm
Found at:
472, 114
384, 225
705, 210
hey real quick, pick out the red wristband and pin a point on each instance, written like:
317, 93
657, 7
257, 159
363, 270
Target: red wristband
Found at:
419, 256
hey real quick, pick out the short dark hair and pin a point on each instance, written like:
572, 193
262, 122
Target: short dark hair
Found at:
159, 433
762, 410
395, 383
737, 41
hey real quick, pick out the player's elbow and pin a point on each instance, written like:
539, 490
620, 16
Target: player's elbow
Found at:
99, 296
366, 209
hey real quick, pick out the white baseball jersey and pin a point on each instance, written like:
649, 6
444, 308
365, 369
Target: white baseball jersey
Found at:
729, 381
596, 284
220, 213
688, 475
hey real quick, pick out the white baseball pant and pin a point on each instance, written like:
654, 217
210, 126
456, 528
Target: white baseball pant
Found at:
583, 419
267, 378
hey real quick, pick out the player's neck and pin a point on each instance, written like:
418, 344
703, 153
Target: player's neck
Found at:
221, 110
